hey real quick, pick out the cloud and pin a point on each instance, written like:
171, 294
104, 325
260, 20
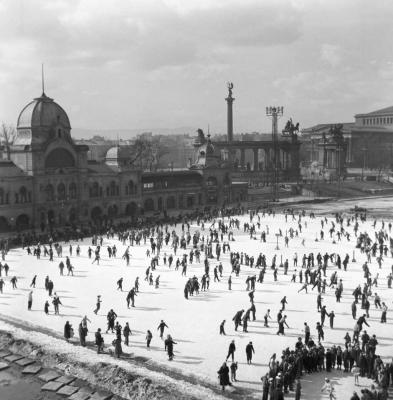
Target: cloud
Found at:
145, 33
330, 54
124, 62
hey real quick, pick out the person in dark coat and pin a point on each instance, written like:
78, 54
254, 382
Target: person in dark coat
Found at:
111, 316
328, 356
118, 348
265, 387
298, 390
67, 331
126, 332
149, 337
46, 307
223, 374
233, 371
222, 328
82, 334
249, 351
117, 341
169, 347
99, 341
162, 325
231, 351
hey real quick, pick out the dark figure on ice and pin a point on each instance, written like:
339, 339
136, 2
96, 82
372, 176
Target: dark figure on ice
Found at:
169, 347
161, 327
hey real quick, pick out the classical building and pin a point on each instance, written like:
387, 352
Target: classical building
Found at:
47, 180
368, 142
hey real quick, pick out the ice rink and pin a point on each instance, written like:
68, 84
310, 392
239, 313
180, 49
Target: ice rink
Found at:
194, 323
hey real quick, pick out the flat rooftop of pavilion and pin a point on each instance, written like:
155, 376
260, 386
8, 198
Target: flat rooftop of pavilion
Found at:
252, 143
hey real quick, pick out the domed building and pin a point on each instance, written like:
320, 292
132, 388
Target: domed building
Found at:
43, 144
47, 181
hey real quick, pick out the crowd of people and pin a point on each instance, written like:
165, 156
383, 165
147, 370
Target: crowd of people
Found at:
206, 245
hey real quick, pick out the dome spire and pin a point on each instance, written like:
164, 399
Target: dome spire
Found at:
42, 80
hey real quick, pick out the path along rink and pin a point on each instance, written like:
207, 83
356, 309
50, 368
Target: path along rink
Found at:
194, 323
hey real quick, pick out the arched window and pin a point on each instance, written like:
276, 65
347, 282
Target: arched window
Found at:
96, 213
112, 189
3, 224
72, 190
50, 193
61, 192
170, 202
130, 188
23, 195
190, 201
112, 211
95, 190
59, 158
149, 205
131, 209
22, 221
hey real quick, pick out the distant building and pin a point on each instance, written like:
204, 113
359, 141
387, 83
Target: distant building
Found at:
368, 141
49, 180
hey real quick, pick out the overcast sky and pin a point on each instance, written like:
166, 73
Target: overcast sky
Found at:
165, 63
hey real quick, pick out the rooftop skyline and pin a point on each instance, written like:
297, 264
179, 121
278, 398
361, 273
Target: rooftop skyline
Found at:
165, 63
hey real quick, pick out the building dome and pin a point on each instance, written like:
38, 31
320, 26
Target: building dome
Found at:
42, 112
118, 153
113, 153
118, 156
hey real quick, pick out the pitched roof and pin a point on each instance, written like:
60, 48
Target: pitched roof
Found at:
323, 127
8, 169
382, 111
94, 167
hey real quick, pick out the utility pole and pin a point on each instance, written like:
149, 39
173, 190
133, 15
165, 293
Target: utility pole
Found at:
274, 113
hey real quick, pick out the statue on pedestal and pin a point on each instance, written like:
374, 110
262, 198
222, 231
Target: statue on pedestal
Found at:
291, 129
230, 87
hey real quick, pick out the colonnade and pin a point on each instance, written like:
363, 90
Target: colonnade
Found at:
263, 158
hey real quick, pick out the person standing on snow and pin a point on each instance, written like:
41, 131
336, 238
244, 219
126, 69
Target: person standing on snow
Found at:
169, 347
126, 333
161, 328
231, 351
249, 352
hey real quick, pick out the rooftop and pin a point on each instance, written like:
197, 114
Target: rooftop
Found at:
382, 111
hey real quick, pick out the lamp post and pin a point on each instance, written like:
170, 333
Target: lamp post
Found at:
274, 113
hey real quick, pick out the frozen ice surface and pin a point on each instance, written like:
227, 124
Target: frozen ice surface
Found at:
194, 323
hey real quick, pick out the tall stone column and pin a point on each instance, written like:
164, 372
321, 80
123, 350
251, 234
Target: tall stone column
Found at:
266, 150
255, 159
230, 101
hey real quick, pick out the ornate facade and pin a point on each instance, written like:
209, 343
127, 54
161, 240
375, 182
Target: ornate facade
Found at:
46, 179
368, 142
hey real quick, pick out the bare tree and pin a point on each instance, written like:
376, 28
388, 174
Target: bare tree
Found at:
147, 153
7, 137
